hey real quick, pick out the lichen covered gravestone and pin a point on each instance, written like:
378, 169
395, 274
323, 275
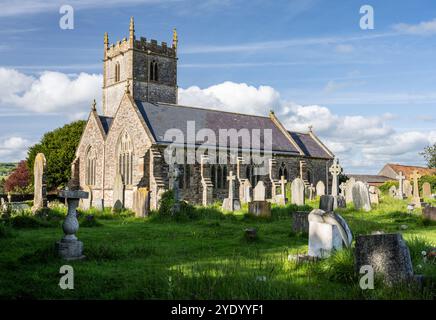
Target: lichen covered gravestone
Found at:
393, 192
349, 190
387, 254
373, 195
328, 231
297, 192
361, 198
40, 188
300, 222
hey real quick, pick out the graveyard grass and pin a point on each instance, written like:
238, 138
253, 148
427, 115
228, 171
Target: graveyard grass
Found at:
203, 258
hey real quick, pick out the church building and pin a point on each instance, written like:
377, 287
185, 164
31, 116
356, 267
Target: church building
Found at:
121, 159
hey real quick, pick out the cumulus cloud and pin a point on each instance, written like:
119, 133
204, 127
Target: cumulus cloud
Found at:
364, 143
50, 92
424, 28
13, 149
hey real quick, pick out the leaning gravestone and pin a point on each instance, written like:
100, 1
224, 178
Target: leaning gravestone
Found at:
361, 198
320, 189
259, 192
118, 193
387, 254
426, 190
40, 188
297, 192
328, 231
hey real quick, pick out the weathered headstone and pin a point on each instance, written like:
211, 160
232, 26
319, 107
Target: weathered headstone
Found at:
260, 208
40, 187
311, 192
320, 188
429, 213
400, 192
141, 202
300, 222
327, 232
231, 203
349, 190
407, 188
118, 193
259, 191
393, 192
426, 190
361, 198
326, 203
246, 191
416, 198
342, 187
69, 247
373, 195
297, 192
387, 254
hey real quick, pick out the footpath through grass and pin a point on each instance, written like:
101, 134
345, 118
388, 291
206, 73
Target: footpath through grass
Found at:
202, 258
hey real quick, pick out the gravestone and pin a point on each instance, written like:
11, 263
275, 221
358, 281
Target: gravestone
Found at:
400, 192
328, 231
426, 190
388, 255
349, 190
260, 209
40, 187
393, 192
300, 222
231, 203
361, 198
416, 198
320, 188
175, 176
407, 188
342, 187
259, 191
69, 247
373, 195
141, 202
312, 191
297, 192
118, 193
281, 198
246, 194
327, 203
335, 171
429, 213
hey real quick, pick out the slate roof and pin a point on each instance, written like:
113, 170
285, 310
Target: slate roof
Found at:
106, 123
161, 117
369, 178
310, 147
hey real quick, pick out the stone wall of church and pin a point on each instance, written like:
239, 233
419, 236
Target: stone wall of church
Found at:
127, 120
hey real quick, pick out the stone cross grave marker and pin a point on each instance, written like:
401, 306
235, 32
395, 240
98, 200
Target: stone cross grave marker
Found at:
230, 203
426, 190
320, 188
400, 178
297, 192
416, 198
335, 170
281, 199
342, 187
40, 188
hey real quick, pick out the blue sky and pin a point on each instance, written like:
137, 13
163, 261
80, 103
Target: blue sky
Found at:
312, 53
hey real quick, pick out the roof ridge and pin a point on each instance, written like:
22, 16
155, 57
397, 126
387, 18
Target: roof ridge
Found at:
207, 109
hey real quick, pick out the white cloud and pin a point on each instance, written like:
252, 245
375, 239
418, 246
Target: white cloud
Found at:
364, 143
13, 149
423, 28
51, 92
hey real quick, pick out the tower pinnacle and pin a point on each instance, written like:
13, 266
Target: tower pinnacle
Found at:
131, 32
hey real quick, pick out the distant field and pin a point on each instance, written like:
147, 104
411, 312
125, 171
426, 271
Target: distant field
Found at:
6, 168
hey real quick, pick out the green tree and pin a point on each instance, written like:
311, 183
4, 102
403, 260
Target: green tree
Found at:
429, 155
59, 147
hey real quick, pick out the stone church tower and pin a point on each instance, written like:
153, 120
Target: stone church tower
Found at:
148, 68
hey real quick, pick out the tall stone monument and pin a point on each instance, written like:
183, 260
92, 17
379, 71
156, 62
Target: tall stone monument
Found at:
335, 171
400, 192
40, 187
416, 198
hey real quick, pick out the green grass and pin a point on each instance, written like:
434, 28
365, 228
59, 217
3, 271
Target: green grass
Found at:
205, 256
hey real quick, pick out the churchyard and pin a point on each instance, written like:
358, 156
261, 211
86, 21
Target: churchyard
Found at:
204, 253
